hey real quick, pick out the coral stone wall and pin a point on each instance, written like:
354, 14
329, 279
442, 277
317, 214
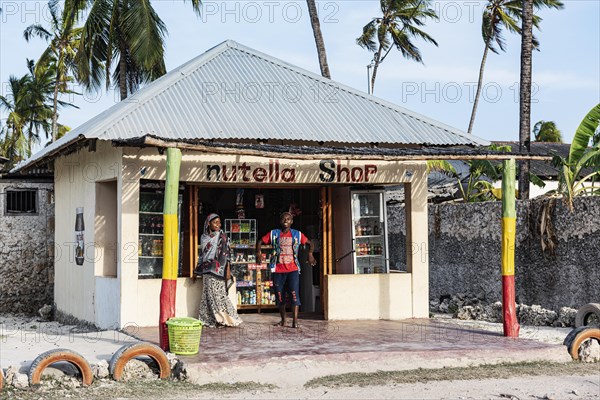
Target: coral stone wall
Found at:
465, 243
26, 244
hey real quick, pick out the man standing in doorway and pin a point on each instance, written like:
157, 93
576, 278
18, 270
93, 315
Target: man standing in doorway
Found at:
284, 263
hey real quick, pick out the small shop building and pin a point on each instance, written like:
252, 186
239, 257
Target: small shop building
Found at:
258, 137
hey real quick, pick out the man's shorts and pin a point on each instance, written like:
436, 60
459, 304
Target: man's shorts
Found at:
287, 283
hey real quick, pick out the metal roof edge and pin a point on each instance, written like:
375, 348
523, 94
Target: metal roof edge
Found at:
55, 147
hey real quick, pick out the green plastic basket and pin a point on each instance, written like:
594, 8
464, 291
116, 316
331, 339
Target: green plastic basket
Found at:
184, 335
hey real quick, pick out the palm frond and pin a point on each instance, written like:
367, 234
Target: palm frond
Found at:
145, 33
196, 6
441, 166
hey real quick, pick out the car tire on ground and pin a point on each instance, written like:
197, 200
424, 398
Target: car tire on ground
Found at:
53, 356
133, 350
577, 337
586, 314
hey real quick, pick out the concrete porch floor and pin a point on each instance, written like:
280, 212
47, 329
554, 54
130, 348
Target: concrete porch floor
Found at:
258, 351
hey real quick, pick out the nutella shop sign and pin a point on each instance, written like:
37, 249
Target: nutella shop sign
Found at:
324, 171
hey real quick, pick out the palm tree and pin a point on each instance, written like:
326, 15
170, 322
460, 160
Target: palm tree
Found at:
14, 145
129, 32
499, 15
29, 113
316, 28
36, 103
63, 39
546, 131
399, 24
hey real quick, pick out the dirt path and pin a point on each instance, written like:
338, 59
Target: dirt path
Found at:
506, 381
542, 380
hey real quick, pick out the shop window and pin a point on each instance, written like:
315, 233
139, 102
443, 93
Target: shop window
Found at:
151, 229
21, 202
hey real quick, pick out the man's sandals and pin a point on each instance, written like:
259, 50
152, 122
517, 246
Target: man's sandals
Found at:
295, 325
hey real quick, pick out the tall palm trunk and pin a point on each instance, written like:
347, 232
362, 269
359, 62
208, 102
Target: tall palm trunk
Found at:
29, 139
376, 60
525, 98
479, 85
123, 74
55, 107
316, 27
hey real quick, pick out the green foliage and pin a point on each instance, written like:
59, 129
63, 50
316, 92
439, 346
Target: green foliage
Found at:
127, 32
506, 14
399, 24
479, 186
571, 181
498, 16
546, 131
441, 166
29, 114
57, 60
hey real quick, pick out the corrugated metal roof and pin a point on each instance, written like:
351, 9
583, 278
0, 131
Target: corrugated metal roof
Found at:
234, 92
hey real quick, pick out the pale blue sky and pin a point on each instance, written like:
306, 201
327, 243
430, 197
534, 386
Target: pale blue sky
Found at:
566, 70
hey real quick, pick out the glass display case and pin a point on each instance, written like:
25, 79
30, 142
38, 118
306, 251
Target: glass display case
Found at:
150, 236
253, 277
369, 232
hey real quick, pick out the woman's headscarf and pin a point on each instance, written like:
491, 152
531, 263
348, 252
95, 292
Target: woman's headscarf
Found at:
215, 249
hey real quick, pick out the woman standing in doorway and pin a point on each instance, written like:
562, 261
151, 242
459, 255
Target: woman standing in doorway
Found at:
213, 264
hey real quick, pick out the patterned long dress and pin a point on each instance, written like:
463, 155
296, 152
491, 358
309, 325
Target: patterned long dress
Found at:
216, 308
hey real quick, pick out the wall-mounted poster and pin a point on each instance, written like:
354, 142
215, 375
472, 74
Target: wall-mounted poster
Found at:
79, 228
259, 201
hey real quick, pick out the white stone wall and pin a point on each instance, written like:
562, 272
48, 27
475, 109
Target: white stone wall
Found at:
26, 251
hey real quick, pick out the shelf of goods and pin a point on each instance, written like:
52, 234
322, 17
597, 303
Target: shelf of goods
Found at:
253, 278
150, 236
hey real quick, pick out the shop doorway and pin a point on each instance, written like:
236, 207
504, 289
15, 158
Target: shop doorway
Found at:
246, 215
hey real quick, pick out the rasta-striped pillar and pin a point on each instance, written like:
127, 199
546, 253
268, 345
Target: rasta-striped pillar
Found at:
509, 228
170, 245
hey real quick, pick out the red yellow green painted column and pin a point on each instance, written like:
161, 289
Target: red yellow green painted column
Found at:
170, 245
509, 229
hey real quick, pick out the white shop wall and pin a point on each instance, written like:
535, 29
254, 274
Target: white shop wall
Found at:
75, 287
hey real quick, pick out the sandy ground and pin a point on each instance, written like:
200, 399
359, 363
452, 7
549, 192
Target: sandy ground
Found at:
545, 334
526, 387
22, 339
564, 387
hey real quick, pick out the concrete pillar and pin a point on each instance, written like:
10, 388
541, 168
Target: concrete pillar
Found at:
127, 230
417, 242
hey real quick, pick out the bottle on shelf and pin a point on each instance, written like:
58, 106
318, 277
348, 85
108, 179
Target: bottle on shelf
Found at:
159, 225
376, 229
